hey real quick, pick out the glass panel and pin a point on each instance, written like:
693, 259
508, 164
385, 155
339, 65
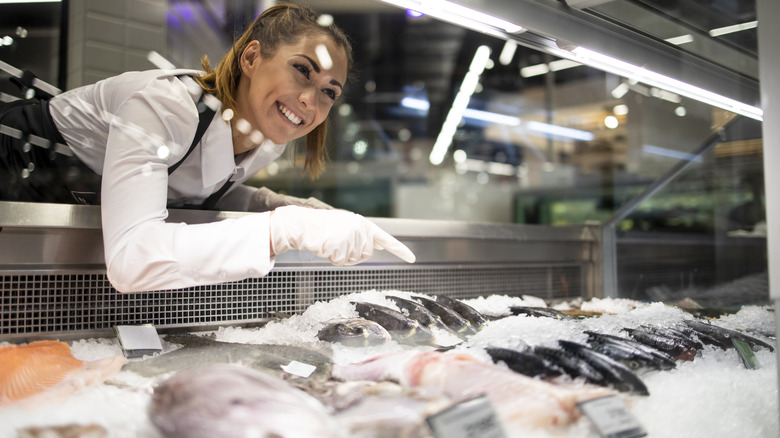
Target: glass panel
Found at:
30, 40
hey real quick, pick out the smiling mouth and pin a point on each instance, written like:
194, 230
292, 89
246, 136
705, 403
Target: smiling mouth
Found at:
289, 114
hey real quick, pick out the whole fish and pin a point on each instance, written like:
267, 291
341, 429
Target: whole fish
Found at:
418, 312
200, 351
476, 319
674, 346
572, 365
232, 401
631, 353
524, 362
458, 324
540, 312
519, 401
402, 329
44, 371
615, 374
724, 335
355, 332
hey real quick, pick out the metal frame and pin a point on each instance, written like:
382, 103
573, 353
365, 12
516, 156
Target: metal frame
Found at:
53, 282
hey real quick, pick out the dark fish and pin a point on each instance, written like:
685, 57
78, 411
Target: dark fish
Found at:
229, 401
724, 335
671, 345
198, 351
356, 332
418, 312
615, 374
476, 319
402, 329
458, 324
631, 353
572, 365
524, 362
540, 312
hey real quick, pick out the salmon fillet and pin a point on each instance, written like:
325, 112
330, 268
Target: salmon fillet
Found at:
48, 367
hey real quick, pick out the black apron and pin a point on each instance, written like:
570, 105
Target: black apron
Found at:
36, 165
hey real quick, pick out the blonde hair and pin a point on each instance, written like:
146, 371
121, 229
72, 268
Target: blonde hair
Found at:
278, 25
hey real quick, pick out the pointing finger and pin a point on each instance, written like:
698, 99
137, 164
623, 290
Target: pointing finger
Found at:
384, 240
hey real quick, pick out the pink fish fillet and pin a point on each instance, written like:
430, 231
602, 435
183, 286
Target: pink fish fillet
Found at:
519, 401
44, 371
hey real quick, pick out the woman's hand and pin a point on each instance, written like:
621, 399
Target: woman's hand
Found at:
265, 200
343, 237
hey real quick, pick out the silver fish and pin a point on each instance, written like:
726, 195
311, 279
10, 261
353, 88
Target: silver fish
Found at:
232, 401
354, 332
198, 351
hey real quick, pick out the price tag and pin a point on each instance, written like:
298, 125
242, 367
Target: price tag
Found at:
611, 418
299, 369
474, 418
749, 358
138, 340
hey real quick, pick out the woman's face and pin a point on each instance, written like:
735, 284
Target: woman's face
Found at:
289, 94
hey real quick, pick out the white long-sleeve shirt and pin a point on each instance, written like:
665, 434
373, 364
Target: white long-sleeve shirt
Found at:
130, 128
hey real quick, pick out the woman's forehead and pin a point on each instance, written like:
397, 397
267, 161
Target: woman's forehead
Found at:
322, 49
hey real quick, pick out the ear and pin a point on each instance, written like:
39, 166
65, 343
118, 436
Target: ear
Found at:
250, 57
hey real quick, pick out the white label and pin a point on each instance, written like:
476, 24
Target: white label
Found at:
299, 369
473, 418
611, 418
138, 337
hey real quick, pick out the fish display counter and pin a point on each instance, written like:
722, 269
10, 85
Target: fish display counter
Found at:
385, 363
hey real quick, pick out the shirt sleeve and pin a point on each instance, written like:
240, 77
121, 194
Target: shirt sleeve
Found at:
142, 251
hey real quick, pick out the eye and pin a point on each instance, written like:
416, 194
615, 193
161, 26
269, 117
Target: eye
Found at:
304, 70
330, 93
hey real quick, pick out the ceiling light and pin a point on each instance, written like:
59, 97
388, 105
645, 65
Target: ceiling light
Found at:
3, 2
735, 28
641, 74
560, 131
460, 15
467, 88
534, 70
682, 39
507, 53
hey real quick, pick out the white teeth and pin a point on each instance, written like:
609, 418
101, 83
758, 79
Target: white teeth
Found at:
289, 114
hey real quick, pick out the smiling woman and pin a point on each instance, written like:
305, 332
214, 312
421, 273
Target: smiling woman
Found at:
182, 138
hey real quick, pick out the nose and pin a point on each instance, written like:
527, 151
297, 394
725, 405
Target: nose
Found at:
307, 97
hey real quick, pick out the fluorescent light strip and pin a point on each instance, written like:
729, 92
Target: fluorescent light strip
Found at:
534, 70
507, 53
560, 131
467, 88
491, 117
682, 39
5, 2
415, 103
460, 15
735, 28
664, 152
540, 69
622, 68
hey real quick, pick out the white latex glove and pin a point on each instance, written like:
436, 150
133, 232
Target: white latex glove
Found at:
343, 237
265, 200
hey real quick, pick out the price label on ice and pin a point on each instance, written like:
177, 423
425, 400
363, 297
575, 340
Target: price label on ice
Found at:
611, 418
473, 418
749, 358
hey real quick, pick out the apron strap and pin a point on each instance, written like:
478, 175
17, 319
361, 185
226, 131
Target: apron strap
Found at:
205, 116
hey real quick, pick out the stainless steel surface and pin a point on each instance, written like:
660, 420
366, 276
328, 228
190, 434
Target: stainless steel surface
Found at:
52, 272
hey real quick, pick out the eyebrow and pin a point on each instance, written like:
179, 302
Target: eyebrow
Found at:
317, 69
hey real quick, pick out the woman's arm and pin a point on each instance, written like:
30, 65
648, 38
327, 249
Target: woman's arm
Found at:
143, 252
